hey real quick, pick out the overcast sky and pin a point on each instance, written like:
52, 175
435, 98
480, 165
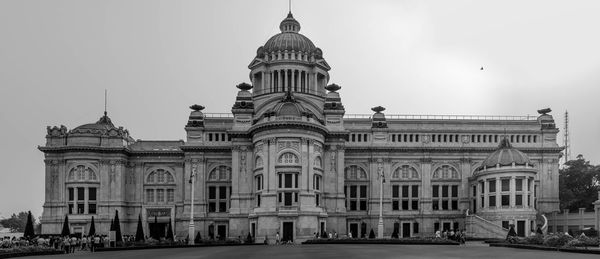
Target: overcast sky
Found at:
158, 57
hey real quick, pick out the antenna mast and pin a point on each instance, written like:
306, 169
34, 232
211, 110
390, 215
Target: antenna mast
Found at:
566, 139
105, 91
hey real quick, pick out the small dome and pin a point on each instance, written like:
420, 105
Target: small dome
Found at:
289, 39
505, 155
102, 126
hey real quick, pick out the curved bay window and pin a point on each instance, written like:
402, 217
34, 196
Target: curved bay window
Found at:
258, 186
356, 188
160, 187
288, 181
82, 190
406, 183
445, 181
218, 185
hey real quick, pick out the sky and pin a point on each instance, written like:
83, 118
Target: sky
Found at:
156, 58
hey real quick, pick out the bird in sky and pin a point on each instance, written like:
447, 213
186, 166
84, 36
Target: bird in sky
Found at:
481, 68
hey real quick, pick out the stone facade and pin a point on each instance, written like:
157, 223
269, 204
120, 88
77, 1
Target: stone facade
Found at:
288, 159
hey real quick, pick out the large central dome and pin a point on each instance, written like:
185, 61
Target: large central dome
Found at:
289, 39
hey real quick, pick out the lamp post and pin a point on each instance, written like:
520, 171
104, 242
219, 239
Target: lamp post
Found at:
381, 181
192, 230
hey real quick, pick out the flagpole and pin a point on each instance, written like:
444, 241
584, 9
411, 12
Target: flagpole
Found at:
380, 224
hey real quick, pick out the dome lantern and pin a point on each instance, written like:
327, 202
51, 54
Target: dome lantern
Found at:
289, 24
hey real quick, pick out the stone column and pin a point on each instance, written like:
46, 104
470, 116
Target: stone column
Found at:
512, 191
498, 190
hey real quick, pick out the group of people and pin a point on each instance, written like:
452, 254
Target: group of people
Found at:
452, 234
326, 234
69, 244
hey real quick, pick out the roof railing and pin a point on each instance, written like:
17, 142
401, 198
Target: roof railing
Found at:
218, 115
445, 117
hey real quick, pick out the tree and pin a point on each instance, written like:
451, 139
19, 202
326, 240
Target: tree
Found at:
198, 239
578, 184
16, 222
29, 233
117, 226
92, 228
139, 233
372, 234
170, 235
66, 230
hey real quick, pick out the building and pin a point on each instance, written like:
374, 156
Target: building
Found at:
288, 159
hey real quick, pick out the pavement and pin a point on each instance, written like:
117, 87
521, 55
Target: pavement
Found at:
470, 250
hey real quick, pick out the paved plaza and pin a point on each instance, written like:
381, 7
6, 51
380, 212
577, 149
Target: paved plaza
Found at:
331, 252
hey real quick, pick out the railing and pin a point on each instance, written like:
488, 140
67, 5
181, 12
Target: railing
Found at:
218, 115
415, 117
297, 90
445, 117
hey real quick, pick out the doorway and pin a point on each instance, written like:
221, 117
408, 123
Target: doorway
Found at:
354, 229
288, 232
157, 230
222, 232
446, 226
521, 228
405, 229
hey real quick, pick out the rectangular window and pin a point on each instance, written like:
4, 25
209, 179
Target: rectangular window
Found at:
150, 195
92, 208
415, 204
444, 191
435, 191
492, 185
70, 208
405, 191
474, 190
444, 204
80, 194
395, 191
505, 224
317, 199
295, 180
492, 201
395, 205
212, 207
222, 192
454, 191
212, 192
170, 195
80, 208
353, 189
160, 195
223, 206
258, 200
415, 191
92, 194
287, 198
404, 204
436, 204
505, 185
416, 228
71, 194
454, 205
505, 200
519, 185
280, 181
519, 200
288, 181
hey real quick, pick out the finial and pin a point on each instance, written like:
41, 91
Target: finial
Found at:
244, 86
290, 6
333, 87
197, 107
544, 111
378, 109
105, 94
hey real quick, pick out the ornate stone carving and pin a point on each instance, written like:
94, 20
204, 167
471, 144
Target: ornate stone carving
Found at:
426, 139
288, 144
318, 148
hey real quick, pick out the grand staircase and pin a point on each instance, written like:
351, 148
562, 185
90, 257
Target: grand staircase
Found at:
478, 227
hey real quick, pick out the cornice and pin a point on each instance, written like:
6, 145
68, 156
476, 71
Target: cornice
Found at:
448, 149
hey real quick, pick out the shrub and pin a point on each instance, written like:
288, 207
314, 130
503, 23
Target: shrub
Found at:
534, 240
557, 240
583, 241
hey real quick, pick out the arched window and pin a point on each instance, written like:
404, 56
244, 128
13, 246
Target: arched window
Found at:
445, 182
356, 188
405, 172
405, 193
220, 173
160, 187
81, 173
218, 186
82, 188
288, 158
318, 162
160, 176
258, 162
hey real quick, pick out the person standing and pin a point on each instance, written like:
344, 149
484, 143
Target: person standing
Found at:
67, 244
277, 239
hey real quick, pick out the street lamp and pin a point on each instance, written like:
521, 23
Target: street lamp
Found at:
381, 181
192, 230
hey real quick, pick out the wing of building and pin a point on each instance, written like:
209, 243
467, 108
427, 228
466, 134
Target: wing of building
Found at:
288, 159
